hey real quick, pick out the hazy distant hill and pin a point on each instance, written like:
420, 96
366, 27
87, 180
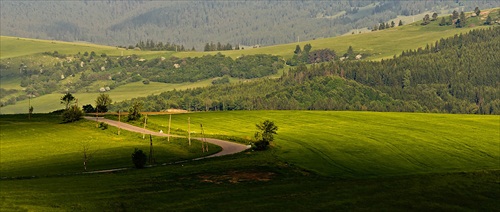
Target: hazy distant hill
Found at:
194, 23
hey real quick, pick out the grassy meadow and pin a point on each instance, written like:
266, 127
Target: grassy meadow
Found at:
319, 161
16, 47
362, 144
379, 45
51, 102
43, 146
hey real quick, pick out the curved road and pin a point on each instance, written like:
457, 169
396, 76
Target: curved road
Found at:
228, 148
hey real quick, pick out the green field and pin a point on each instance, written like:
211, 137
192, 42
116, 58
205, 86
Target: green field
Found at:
379, 44
51, 102
364, 144
319, 161
16, 47
42, 146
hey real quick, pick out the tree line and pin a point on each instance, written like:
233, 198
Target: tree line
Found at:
181, 22
454, 75
160, 46
84, 69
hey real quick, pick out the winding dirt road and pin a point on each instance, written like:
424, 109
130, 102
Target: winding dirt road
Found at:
228, 148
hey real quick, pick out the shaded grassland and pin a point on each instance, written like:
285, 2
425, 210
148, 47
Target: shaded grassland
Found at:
290, 176
42, 146
249, 182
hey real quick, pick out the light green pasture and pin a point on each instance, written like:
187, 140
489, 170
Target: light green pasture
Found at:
15, 47
379, 44
362, 144
51, 102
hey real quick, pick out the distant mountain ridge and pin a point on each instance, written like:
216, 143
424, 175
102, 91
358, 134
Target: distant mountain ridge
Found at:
194, 23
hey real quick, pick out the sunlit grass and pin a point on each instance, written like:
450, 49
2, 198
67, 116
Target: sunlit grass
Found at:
360, 144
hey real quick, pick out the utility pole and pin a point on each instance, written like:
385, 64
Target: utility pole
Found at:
145, 122
204, 145
189, 130
29, 98
169, 122
29, 106
96, 117
119, 120
202, 140
151, 151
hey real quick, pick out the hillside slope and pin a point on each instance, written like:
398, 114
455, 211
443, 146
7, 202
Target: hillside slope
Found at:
51, 67
451, 76
194, 23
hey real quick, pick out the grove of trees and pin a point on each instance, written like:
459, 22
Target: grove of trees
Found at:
182, 22
454, 75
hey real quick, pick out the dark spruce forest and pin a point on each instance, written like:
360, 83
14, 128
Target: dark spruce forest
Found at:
195, 23
454, 75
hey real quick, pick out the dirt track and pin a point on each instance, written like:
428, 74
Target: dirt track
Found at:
228, 148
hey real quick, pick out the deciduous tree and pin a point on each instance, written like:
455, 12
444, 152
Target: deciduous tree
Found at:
443, 22
434, 16
134, 112
102, 102
67, 99
477, 11
297, 50
265, 135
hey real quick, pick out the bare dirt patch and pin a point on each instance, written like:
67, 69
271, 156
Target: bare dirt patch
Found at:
237, 177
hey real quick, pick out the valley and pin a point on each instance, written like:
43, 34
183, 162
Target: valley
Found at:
395, 118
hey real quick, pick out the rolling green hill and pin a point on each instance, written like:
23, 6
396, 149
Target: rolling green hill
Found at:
32, 53
363, 144
26, 47
43, 146
50, 102
194, 24
319, 160
379, 44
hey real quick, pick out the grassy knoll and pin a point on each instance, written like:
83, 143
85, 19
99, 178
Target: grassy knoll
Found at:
50, 102
379, 44
283, 179
15, 47
42, 146
363, 144
11, 83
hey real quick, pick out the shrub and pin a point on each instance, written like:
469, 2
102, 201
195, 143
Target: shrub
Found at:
139, 158
260, 145
88, 108
73, 113
103, 126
